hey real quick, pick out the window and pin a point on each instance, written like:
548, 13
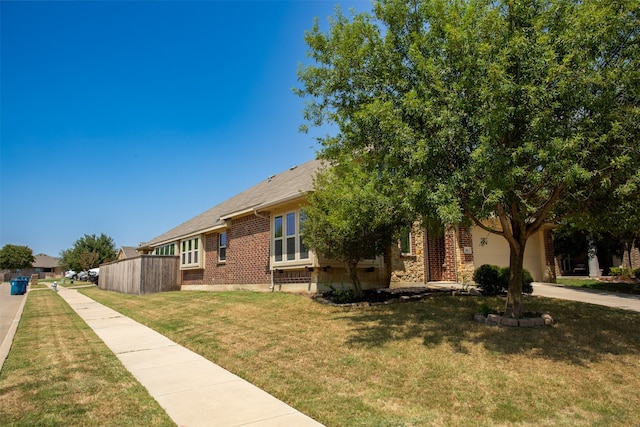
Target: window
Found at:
287, 237
222, 247
169, 249
405, 241
189, 252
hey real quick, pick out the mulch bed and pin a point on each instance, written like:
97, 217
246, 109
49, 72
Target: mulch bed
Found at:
379, 296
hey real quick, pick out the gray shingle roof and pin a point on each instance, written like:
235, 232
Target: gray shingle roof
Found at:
45, 261
129, 251
286, 185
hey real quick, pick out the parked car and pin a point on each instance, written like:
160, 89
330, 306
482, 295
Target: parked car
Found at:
94, 273
70, 274
83, 275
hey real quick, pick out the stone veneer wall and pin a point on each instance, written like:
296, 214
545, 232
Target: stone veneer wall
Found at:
409, 268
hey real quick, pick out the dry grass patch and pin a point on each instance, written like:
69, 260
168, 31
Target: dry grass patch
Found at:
411, 364
60, 373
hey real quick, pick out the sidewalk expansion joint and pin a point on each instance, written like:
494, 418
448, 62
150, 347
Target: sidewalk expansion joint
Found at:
138, 350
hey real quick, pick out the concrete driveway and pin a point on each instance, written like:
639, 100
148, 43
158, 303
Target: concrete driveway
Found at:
590, 296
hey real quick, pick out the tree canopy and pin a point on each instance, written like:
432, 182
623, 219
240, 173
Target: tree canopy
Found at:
13, 257
518, 111
88, 252
348, 219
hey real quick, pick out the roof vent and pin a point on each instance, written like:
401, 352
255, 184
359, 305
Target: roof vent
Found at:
270, 178
292, 167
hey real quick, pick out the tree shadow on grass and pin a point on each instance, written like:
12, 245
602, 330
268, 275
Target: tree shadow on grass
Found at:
582, 333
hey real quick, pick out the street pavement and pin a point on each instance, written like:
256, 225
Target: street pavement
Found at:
10, 311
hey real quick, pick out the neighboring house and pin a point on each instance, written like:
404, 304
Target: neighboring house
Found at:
127, 252
253, 241
44, 266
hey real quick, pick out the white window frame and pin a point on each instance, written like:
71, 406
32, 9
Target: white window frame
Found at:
190, 252
410, 243
286, 241
165, 250
222, 258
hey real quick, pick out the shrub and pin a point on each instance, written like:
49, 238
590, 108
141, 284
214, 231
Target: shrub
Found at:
623, 272
494, 280
340, 295
485, 310
489, 279
527, 279
636, 273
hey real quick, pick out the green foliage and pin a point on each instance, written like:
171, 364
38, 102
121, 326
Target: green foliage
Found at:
88, 252
624, 272
519, 111
485, 310
340, 295
14, 257
489, 279
348, 219
494, 280
570, 240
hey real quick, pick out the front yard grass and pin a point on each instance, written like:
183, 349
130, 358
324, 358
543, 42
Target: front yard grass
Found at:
412, 364
621, 287
59, 373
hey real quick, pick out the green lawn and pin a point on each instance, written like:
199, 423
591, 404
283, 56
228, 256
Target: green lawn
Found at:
621, 287
412, 364
59, 373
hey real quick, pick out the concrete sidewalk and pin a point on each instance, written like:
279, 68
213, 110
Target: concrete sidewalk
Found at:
192, 390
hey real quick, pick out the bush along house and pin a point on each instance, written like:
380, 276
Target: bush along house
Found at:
253, 241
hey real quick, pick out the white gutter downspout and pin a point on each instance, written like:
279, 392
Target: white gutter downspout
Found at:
255, 212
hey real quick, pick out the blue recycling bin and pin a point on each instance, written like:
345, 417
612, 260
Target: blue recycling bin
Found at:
16, 287
23, 283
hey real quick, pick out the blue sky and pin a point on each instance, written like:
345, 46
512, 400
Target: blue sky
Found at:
129, 118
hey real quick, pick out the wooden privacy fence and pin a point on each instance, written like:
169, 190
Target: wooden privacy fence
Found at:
144, 274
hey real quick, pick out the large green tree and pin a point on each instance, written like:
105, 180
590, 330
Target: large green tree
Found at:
13, 257
89, 251
484, 109
348, 219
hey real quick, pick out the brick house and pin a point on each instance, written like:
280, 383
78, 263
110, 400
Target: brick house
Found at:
253, 241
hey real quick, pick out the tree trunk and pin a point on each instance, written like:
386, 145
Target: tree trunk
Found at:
513, 307
352, 269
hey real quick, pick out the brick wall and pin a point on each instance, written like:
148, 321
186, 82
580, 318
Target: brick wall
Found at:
635, 258
192, 277
465, 260
282, 277
247, 262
